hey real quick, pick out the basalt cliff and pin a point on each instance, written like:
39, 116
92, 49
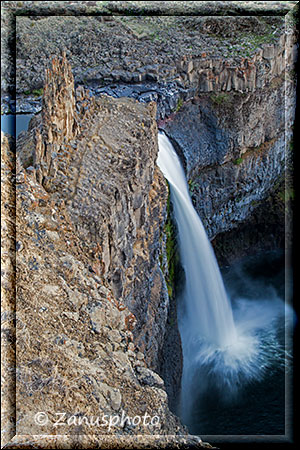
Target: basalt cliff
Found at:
224, 89
91, 298
92, 255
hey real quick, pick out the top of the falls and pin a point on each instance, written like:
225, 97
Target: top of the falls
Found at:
169, 164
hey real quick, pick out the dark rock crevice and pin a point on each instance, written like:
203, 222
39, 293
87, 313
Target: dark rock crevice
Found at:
170, 360
263, 231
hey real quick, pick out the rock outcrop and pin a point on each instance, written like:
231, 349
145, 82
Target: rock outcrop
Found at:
99, 157
205, 57
211, 53
232, 77
91, 301
236, 146
225, 93
223, 146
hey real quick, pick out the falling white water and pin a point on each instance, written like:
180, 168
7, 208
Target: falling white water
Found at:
218, 351
208, 302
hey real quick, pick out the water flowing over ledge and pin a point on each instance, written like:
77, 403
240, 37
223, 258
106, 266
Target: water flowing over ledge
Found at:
208, 302
225, 347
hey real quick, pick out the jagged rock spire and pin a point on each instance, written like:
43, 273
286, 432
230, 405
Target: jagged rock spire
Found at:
58, 118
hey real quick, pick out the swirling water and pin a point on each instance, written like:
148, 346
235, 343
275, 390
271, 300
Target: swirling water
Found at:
229, 348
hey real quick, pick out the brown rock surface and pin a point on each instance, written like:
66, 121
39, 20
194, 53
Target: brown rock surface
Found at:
90, 195
72, 334
99, 156
8, 265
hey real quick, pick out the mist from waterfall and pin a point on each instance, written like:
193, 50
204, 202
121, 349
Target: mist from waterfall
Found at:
224, 347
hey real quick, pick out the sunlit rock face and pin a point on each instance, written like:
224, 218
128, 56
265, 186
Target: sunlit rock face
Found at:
91, 297
98, 155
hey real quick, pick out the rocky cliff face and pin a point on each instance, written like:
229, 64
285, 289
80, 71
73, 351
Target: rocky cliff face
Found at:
140, 58
235, 145
225, 94
92, 204
223, 146
99, 157
91, 298
142, 49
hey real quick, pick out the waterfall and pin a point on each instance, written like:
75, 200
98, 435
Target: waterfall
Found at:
207, 299
222, 348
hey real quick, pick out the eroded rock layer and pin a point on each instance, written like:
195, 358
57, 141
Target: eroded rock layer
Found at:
91, 300
236, 146
99, 157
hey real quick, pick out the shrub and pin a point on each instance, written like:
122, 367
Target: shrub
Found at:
38, 92
238, 161
179, 104
220, 98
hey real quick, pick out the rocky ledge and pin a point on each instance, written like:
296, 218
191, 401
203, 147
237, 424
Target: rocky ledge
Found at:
91, 300
237, 52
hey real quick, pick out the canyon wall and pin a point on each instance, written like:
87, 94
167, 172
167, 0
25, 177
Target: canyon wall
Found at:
98, 156
91, 250
207, 53
91, 299
225, 93
236, 142
164, 58
234, 153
